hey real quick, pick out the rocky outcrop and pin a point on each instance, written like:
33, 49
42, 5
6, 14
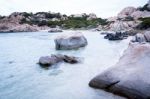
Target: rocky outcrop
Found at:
142, 38
12, 24
147, 36
18, 28
122, 25
70, 41
122, 29
130, 76
126, 12
47, 61
140, 14
135, 13
116, 36
129, 18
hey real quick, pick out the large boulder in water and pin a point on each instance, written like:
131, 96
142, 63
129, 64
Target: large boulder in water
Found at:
50, 60
70, 41
130, 76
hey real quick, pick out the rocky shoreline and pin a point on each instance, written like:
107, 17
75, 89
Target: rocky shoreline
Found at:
130, 20
129, 77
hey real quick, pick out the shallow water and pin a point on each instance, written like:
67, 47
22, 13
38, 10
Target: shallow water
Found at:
22, 78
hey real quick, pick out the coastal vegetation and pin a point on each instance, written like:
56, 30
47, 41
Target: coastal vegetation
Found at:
145, 24
64, 21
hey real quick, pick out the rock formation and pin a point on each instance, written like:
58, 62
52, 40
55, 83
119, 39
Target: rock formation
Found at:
142, 38
129, 77
70, 41
126, 12
47, 61
11, 24
129, 18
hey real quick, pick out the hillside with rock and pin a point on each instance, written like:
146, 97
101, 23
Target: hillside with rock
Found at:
129, 76
130, 19
29, 22
12, 23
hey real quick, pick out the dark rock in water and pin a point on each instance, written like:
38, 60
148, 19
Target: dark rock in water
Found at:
10, 62
54, 59
48, 60
116, 36
70, 41
130, 76
70, 59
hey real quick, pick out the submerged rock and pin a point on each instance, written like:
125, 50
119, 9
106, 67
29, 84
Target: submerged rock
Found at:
70, 59
70, 41
54, 59
55, 30
130, 76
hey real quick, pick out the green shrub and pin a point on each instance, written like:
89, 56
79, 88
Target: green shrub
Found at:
70, 22
26, 15
83, 22
42, 23
145, 24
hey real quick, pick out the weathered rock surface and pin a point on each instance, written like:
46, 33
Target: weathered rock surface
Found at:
126, 12
128, 18
147, 36
142, 38
18, 28
12, 24
122, 25
140, 14
54, 59
130, 76
70, 41
133, 12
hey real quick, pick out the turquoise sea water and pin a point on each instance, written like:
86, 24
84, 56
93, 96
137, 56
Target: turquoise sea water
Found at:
22, 78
